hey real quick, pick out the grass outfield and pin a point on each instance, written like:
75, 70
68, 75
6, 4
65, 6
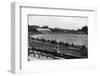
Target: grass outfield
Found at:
72, 51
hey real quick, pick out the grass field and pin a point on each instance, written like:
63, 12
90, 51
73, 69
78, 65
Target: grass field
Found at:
49, 50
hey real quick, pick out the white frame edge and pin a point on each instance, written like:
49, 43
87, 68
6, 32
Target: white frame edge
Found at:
15, 38
12, 37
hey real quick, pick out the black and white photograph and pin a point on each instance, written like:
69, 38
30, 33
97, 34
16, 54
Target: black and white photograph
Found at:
57, 37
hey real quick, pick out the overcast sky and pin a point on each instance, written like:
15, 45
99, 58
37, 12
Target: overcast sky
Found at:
58, 22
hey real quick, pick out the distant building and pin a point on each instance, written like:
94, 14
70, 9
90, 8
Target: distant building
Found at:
44, 30
45, 27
